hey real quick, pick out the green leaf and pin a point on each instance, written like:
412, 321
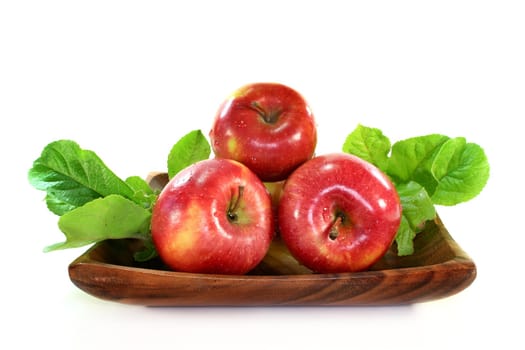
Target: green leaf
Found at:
405, 238
417, 209
138, 184
57, 206
461, 171
369, 144
190, 149
412, 158
416, 203
111, 217
147, 253
73, 177
144, 194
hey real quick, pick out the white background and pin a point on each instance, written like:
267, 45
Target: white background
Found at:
127, 79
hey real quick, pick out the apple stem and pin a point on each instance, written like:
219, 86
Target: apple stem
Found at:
334, 231
234, 204
269, 118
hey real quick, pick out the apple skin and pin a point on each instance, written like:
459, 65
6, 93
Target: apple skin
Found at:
268, 127
213, 217
338, 213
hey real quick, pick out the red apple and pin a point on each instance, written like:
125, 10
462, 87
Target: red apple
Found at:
213, 217
338, 213
266, 126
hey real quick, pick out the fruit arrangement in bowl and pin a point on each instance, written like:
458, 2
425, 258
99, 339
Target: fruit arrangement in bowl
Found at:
258, 183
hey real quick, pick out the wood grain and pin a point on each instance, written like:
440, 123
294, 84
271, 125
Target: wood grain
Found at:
439, 268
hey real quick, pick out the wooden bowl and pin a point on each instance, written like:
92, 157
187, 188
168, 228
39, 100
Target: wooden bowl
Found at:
438, 268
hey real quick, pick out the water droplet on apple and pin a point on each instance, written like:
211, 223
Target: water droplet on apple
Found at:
240, 124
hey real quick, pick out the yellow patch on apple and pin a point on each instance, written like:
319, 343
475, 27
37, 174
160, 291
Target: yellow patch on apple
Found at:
185, 237
233, 146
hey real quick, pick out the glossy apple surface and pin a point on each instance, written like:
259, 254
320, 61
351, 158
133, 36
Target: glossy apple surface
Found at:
338, 213
266, 126
213, 217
